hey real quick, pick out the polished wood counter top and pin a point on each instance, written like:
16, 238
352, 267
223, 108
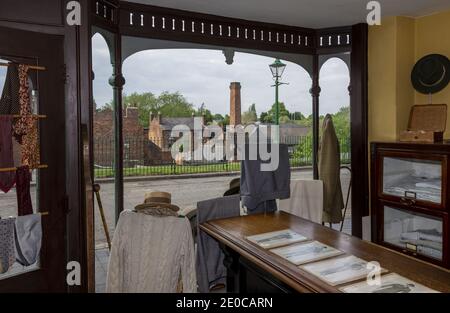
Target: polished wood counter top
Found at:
231, 232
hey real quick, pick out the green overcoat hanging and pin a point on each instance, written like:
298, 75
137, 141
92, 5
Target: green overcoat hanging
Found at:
329, 173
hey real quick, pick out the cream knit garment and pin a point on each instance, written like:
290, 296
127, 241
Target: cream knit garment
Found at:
149, 254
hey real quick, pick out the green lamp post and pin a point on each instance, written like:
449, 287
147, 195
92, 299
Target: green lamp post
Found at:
277, 69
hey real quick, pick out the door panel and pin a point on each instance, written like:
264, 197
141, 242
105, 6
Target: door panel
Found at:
47, 51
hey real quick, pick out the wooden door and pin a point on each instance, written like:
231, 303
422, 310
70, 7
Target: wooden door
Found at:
49, 183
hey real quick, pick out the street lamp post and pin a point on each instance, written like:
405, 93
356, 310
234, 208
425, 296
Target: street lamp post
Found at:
277, 69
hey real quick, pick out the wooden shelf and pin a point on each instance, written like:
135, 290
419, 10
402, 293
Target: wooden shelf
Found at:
32, 67
13, 169
40, 116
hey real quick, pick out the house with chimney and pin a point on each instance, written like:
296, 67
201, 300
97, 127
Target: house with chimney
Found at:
134, 137
160, 135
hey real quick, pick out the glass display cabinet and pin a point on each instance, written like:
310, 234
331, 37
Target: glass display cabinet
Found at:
409, 199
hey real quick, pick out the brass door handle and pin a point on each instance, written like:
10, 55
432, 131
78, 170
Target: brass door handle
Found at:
408, 201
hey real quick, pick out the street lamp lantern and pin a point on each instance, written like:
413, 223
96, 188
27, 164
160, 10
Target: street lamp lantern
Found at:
277, 69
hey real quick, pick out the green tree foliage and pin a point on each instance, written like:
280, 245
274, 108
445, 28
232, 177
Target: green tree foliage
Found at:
203, 111
269, 117
263, 117
168, 104
218, 118
173, 105
341, 121
250, 116
226, 121
297, 116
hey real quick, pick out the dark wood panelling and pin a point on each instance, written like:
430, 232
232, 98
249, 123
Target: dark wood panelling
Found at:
78, 112
420, 151
315, 93
358, 115
45, 12
45, 50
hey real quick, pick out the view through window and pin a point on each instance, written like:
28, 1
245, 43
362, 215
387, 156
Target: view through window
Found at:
168, 87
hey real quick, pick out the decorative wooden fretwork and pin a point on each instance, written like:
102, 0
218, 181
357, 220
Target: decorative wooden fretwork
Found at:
171, 24
334, 38
106, 13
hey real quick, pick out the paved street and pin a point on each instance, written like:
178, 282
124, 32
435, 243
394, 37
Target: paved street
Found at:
185, 192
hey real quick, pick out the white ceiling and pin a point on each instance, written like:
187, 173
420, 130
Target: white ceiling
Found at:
306, 13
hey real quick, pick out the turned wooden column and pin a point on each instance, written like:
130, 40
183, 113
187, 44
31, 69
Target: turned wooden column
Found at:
117, 81
315, 93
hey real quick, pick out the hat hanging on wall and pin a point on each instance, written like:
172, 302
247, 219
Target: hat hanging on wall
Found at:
431, 74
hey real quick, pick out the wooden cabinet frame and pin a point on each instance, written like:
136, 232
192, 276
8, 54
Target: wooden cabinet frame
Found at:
438, 152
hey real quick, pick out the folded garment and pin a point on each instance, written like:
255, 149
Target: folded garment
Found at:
423, 234
28, 238
9, 101
7, 179
7, 254
209, 266
431, 184
23, 179
430, 252
424, 243
259, 188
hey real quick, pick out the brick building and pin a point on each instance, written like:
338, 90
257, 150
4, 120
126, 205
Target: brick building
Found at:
159, 133
151, 146
134, 137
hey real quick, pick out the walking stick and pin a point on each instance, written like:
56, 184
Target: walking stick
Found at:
102, 214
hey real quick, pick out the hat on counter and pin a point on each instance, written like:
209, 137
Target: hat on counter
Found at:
157, 200
235, 187
431, 73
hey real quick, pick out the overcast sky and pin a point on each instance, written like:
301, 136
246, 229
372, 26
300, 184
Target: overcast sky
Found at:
202, 76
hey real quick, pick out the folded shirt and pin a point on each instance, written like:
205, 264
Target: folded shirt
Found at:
424, 243
423, 234
430, 252
28, 238
7, 254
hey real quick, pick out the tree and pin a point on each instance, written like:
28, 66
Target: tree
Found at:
144, 102
250, 116
218, 118
173, 105
203, 111
168, 104
297, 116
269, 117
263, 117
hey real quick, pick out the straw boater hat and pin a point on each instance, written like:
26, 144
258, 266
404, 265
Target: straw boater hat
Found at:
157, 200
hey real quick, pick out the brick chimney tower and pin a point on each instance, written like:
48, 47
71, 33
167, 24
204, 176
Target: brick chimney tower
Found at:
235, 103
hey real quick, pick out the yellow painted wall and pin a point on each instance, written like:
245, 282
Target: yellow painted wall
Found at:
405, 63
433, 36
382, 80
394, 48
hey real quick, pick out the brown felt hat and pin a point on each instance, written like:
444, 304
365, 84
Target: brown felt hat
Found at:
157, 199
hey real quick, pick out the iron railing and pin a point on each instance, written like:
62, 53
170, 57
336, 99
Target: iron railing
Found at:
143, 157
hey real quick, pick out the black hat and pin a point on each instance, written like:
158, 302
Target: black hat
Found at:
235, 187
431, 73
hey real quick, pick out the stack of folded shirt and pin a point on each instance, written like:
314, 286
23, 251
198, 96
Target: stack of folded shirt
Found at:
428, 241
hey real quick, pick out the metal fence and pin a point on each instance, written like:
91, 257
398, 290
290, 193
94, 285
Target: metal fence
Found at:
143, 157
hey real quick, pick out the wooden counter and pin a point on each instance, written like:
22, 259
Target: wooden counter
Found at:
254, 269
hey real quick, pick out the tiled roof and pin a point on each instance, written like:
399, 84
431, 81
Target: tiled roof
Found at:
170, 122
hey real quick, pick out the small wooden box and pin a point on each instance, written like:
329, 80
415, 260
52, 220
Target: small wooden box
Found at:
426, 123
